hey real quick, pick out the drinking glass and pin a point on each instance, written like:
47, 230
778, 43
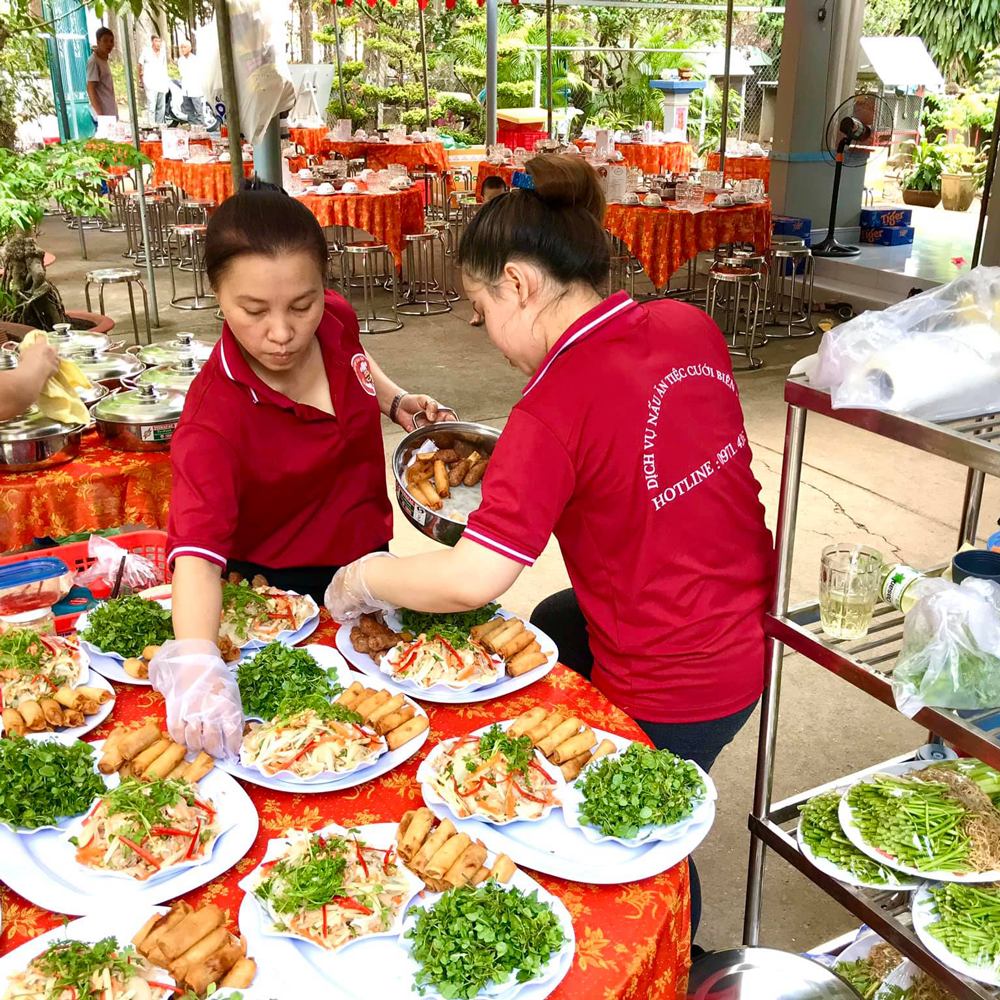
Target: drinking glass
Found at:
848, 587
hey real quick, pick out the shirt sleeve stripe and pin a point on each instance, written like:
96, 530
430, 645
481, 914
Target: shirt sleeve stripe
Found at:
505, 550
187, 550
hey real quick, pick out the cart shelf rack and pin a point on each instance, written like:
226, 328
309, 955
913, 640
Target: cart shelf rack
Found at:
974, 442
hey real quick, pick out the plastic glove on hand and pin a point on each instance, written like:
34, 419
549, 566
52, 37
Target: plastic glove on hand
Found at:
204, 711
347, 597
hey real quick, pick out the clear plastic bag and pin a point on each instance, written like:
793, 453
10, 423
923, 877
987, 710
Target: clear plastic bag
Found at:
139, 572
951, 650
935, 356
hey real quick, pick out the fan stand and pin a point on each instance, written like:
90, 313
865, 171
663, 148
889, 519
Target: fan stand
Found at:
831, 247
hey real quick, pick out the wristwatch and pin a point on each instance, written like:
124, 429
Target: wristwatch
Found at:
394, 408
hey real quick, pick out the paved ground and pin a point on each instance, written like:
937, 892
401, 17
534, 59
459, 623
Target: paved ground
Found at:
855, 488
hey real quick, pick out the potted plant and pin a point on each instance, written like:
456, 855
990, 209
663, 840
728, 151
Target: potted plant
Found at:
922, 182
958, 180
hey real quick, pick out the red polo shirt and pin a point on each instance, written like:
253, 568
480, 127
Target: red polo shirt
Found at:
628, 444
260, 478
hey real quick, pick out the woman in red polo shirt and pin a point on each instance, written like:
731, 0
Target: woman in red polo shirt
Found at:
628, 444
278, 463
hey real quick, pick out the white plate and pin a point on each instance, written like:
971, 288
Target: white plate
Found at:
375, 968
90, 721
860, 947
84, 677
385, 763
460, 687
373, 837
854, 835
648, 834
287, 636
923, 917
441, 696
433, 798
44, 870
552, 847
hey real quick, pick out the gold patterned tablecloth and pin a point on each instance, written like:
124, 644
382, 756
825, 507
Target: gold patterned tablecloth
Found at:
632, 940
741, 168
100, 488
653, 158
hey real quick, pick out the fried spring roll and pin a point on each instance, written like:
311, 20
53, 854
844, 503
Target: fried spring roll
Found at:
466, 866
503, 868
480, 632
441, 483
572, 768
402, 826
136, 668
34, 717
388, 707
602, 750
366, 707
150, 945
520, 641
241, 974
545, 727
418, 472
438, 838
573, 747
197, 925
100, 695
145, 930
501, 637
526, 660
407, 731
134, 743
52, 711
200, 977
179, 771
13, 723
481, 876
416, 831
475, 473
86, 705
202, 949
143, 760
68, 697
149, 652
527, 721
351, 695
447, 855
199, 767
390, 722
560, 734
431, 497
166, 762
72, 718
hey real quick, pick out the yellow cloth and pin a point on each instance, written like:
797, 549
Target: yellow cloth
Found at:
58, 399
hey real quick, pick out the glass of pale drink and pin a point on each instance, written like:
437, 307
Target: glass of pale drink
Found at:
848, 587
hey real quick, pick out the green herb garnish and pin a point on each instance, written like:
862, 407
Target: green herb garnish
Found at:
326, 710
21, 650
279, 674
307, 883
642, 787
489, 934
453, 626
127, 625
242, 605
44, 782
145, 803
518, 751
72, 965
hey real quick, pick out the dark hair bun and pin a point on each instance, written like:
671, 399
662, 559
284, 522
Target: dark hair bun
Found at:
567, 182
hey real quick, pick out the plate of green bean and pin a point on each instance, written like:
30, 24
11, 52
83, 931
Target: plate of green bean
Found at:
914, 827
960, 926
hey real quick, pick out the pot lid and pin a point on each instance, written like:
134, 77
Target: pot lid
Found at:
184, 346
64, 339
33, 425
177, 376
8, 360
91, 395
145, 405
98, 365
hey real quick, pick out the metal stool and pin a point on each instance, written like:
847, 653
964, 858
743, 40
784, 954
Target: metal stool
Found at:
115, 276
424, 296
157, 209
427, 181
462, 207
441, 227
365, 253
114, 223
171, 196
787, 262
463, 176
726, 286
621, 272
194, 211
335, 252
194, 236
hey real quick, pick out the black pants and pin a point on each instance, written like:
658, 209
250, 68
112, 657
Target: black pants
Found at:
561, 618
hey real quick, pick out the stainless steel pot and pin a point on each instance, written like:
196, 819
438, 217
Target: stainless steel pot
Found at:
32, 441
142, 419
68, 341
107, 367
177, 376
171, 351
430, 523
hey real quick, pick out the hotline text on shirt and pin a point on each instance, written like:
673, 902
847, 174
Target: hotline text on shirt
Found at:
699, 474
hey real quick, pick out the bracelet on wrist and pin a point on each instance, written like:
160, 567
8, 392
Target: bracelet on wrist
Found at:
394, 408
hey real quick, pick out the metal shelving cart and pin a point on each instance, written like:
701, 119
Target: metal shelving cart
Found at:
973, 442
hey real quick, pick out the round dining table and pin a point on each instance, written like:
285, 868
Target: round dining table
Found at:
101, 488
377, 155
741, 168
632, 940
199, 180
652, 157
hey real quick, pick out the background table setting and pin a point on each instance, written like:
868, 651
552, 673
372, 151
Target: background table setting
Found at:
652, 157
199, 180
741, 168
378, 155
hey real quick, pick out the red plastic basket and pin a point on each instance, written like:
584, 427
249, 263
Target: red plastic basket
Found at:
512, 137
150, 543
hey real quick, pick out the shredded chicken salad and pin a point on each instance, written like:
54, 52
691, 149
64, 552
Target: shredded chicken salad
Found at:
143, 827
437, 659
332, 889
34, 666
260, 613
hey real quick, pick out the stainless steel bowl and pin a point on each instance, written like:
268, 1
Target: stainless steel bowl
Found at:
31, 441
430, 523
142, 419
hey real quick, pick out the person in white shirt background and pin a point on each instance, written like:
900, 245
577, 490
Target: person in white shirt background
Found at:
153, 77
191, 87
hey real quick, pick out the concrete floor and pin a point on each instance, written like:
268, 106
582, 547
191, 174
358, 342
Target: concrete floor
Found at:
855, 487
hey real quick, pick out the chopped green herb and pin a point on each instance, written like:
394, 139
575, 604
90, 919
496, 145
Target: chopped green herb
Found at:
127, 625
278, 674
294, 885
72, 964
241, 605
21, 650
145, 803
326, 710
518, 751
453, 626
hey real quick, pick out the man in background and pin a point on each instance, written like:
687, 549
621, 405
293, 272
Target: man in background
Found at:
191, 88
100, 85
153, 77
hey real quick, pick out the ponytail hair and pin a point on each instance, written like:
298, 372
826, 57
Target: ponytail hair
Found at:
557, 226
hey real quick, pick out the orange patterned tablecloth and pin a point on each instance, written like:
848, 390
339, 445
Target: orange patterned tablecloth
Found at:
653, 158
662, 239
199, 180
632, 940
100, 488
153, 148
312, 140
741, 168
377, 155
387, 217
487, 169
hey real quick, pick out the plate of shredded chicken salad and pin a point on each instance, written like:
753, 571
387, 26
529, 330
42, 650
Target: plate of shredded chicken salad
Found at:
34, 666
253, 616
331, 887
935, 820
434, 660
489, 776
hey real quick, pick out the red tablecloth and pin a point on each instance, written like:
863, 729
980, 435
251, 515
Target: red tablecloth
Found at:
486, 169
387, 217
100, 488
662, 239
632, 940
653, 158
739, 168
199, 180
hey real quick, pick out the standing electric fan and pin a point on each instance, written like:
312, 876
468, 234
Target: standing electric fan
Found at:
862, 125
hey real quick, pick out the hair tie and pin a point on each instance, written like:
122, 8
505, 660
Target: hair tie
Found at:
522, 179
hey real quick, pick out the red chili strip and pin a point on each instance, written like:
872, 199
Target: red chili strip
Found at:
361, 857
145, 855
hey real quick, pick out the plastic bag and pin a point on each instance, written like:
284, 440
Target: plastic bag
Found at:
263, 82
950, 656
935, 356
139, 572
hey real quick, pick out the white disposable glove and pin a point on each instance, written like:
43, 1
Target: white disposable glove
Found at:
204, 711
347, 597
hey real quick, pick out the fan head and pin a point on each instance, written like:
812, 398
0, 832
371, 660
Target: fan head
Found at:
862, 125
